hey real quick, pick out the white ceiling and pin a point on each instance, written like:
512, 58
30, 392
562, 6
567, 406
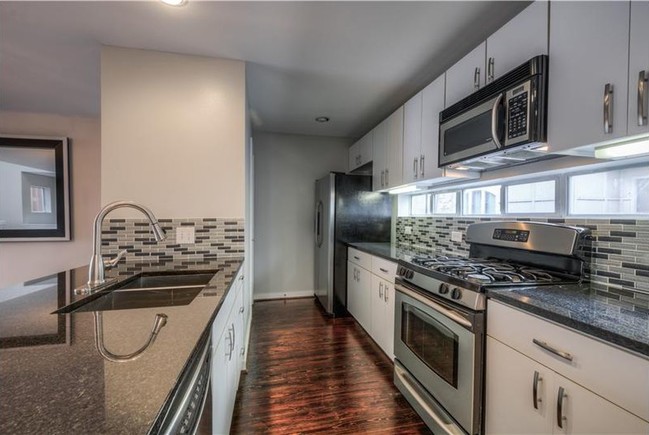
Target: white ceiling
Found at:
354, 62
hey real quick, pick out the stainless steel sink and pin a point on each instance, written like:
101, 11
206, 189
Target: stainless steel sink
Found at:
145, 291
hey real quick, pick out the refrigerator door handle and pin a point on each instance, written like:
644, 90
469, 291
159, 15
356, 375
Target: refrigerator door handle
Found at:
318, 224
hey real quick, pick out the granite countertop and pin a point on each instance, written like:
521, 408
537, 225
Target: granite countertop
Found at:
580, 307
391, 251
53, 379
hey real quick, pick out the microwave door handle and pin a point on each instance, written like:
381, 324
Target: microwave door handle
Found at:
494, 121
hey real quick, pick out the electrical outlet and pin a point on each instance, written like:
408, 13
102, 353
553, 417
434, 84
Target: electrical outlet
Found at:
185, 235
456, 236
407, 229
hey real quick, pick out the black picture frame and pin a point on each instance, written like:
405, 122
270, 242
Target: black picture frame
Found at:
60, 146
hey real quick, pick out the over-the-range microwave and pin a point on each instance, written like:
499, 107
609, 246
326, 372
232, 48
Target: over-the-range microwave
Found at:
501, 124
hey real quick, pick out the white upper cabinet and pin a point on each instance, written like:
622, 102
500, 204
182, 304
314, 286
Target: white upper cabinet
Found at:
522, 38
588, 75
639, 69
379, 150
412, 123
394, 156
466, 76
361, 152
388, 152
421, 133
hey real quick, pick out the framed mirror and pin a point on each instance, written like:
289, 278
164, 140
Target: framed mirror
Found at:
34, 189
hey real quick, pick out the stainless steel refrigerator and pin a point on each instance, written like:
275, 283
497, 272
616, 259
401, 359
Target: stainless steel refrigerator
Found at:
346, 210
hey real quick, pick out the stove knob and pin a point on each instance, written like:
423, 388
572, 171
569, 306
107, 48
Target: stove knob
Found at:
410, 274
401, 271
456, 293
443, 289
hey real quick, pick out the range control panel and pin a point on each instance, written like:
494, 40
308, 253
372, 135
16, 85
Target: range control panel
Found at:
511, 235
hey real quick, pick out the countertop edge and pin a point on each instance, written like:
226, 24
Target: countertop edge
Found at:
603, 335
375, 253
205, 335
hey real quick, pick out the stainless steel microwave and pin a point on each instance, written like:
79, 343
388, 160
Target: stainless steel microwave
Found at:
502, 123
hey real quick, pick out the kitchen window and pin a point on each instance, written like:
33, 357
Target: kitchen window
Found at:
621, 191
445, 203
420, 204
535, 197
481, 200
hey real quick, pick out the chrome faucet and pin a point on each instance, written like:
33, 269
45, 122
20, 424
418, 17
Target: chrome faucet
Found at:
98, 266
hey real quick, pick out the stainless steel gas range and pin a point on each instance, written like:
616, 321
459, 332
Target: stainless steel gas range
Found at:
439, 341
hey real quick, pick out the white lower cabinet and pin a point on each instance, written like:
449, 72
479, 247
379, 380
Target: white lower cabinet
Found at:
524, 396
358, 294
228, 352
370, 298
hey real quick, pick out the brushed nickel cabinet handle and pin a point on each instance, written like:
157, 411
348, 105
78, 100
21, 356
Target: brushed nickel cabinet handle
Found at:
643, 77
383, 270
608, 108
421, 165
551, 349
414, 167
387, 177
381, 290
357, 258
382, 178
560, 417
385, 293
535, 389
491, 69
476, 78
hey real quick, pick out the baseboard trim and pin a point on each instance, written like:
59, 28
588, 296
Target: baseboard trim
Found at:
287, 295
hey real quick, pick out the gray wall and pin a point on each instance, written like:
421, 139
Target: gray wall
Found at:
286, 167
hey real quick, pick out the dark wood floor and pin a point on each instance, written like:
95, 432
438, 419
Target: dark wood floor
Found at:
310, 373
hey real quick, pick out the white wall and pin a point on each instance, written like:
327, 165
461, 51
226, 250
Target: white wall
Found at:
20, 261
286, 167
173, 132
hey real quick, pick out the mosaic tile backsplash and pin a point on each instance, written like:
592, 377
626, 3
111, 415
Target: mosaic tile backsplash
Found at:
216, 238
619, 257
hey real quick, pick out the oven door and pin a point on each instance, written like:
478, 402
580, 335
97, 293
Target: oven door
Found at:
472, 133
440, 346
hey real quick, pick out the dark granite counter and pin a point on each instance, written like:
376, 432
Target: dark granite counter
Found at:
389, 251
580, 307
52, 378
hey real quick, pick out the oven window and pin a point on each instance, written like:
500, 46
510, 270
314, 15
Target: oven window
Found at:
432, 342
471, 133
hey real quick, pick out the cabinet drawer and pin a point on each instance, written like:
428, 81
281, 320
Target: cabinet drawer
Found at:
384, 268
363, 259
612, 373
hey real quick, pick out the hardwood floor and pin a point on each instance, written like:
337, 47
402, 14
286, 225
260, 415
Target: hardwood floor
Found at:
309, 373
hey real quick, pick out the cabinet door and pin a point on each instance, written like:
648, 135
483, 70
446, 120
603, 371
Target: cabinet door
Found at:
353, 291
380, 145
589, 43
388, 333
638, 67
466, 76
377, 309
364, 286
432, 104
240, 335
585, 412
522, 38
394, 154
412, 122
355, 156
509, 395
366, 148
221, 410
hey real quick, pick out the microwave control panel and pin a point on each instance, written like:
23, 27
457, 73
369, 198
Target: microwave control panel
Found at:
518, 112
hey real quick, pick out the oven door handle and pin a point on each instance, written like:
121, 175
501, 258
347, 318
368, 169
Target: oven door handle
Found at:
441, 309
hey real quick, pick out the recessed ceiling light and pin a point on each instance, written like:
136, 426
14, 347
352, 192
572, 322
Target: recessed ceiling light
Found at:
175, 2
322, 119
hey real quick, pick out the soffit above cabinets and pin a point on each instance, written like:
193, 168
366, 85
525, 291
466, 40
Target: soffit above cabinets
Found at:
354, 62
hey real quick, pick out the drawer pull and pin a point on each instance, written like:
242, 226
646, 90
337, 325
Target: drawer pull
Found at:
383, 270
357, 258
557, 352
535, 389
560, 416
